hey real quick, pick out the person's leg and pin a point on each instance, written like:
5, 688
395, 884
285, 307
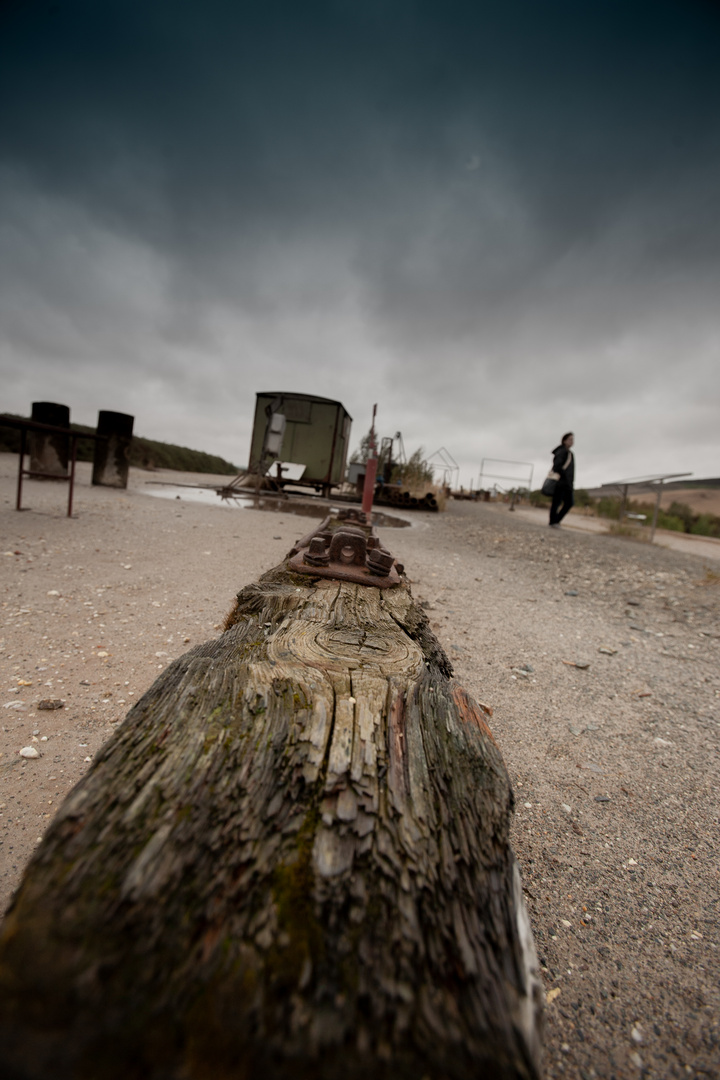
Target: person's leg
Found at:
568, 501
557, 500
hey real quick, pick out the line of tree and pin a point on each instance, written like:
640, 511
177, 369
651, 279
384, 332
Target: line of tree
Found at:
144, 453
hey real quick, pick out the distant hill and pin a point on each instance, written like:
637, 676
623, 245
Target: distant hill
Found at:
144, 453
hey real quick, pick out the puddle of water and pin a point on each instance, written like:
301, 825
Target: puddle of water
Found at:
304, 507
182, 493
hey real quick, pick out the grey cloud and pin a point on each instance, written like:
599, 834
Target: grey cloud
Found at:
476, 207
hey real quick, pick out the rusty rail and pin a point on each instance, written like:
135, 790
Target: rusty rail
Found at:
33, 425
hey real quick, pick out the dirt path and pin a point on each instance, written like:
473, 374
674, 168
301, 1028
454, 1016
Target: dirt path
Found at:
615, 765
706, 547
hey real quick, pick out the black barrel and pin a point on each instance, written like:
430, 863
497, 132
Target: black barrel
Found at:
49, 451
111, 461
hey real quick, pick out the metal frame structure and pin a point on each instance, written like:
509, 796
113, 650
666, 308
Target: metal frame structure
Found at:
447, 465
501, 476
648, 483
32, 425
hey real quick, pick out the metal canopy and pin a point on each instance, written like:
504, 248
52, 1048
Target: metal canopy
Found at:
647, 483
660, 478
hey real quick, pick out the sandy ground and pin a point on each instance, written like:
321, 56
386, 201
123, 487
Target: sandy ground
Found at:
614, 763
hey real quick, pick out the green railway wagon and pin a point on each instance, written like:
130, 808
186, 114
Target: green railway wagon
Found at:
305, 430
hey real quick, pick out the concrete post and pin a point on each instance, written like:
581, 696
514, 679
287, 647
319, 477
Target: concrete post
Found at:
111, 461
49, 451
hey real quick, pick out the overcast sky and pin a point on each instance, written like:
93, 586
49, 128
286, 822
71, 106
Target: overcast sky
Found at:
497, 220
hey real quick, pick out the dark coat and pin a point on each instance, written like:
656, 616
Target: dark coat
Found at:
560, 456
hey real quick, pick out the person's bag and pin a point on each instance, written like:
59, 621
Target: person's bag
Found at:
550, 483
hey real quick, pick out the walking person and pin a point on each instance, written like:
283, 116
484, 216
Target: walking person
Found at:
564, 466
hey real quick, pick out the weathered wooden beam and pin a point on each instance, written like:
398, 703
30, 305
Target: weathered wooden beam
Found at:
291, 861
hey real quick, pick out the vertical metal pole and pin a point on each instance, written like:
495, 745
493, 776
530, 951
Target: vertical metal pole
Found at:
18, 501
370, 469
73, 440
655, 512
328, 479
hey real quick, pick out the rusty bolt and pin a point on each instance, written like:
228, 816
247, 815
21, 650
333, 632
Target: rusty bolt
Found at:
380, 562
317, 554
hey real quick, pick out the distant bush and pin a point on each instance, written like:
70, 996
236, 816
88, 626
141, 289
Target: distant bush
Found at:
684, 513
706, 525
632, 530
609, 506
415, 473
583, 499
536, 498
679, 517
670, 521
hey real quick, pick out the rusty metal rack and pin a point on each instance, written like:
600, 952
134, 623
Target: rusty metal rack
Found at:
33, 425
345, 547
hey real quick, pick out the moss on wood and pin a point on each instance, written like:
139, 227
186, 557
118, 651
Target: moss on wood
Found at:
291, 859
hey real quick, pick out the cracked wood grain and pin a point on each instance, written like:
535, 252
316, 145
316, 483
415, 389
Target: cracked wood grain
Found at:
291, 859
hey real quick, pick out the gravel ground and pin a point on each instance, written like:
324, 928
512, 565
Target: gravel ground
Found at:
599, 657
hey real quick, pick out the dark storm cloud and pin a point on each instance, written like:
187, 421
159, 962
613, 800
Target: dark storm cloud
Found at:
293, 116
483, 200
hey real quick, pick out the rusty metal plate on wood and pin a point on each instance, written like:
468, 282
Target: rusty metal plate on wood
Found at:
345, 547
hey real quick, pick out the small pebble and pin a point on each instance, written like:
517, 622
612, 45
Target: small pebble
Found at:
29, 752
602, 798
51, 703
571, 592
